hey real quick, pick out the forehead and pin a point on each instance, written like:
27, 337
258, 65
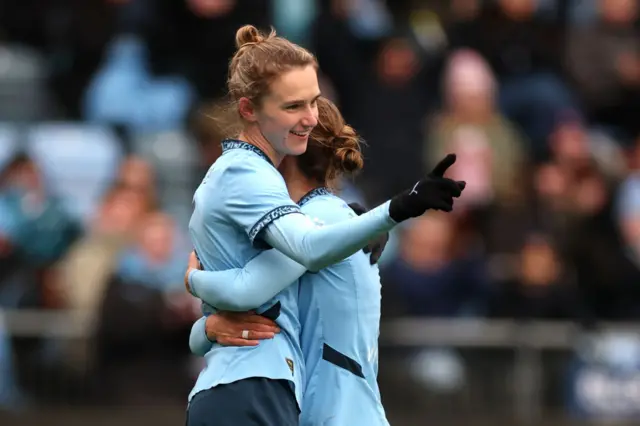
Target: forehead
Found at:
296, 84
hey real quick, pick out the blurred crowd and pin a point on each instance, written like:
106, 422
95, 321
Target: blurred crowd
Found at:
105, 133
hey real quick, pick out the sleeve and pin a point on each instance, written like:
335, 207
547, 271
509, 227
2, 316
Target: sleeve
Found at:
199, 343
318, 247
262, 278
256, 195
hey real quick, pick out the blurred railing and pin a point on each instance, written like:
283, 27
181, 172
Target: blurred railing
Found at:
512, 370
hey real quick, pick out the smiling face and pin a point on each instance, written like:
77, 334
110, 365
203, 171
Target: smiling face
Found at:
288, 112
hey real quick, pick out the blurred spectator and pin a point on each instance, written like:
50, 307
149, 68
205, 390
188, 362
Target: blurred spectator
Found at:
574, 186
85, 272
138, 175
542, 288
603, 60
294, 19
194, 38
526, 54
146, 317
490, 151
90, 263
35, 232
79, 162
392, 103
437, 273
36, 229
125, 93
605, 272
625, 272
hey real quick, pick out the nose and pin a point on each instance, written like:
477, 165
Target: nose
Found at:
310, 118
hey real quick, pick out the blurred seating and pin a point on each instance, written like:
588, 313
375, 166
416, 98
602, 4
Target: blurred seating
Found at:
79, 162
174, 158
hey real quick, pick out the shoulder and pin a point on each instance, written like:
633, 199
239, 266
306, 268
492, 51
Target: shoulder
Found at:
244, 164
241, 173
328, 209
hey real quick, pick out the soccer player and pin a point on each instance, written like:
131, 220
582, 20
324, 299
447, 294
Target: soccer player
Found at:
242, 207
339, 307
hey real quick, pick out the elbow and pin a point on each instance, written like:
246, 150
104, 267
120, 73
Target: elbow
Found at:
314, 265
196, 347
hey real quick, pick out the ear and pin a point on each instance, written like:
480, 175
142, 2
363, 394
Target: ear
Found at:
247, 110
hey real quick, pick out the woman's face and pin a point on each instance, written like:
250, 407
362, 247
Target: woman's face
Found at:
290, 111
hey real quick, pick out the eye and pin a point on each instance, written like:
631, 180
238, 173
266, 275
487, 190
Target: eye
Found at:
292, 107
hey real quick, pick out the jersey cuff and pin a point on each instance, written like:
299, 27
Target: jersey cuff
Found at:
273, 215
192, 289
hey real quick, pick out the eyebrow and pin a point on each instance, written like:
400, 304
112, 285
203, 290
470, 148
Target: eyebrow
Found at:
302, 101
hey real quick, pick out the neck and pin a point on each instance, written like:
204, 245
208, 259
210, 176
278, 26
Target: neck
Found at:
253, 136
297, 184
300, 189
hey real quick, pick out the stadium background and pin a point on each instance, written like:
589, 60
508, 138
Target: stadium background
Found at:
519, 307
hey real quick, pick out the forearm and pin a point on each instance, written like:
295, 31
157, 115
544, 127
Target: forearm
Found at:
318, 247
244, 289
199, 343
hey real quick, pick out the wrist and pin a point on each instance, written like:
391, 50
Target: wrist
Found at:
387, 209
398, 208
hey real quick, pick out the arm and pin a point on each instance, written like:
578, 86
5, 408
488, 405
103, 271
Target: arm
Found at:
316, 248
256, 200
227, 328
256, 283
199, 343
261, 279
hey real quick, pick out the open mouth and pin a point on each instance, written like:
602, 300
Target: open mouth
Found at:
299, 134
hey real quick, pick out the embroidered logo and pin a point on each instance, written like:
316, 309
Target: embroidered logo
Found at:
290, 364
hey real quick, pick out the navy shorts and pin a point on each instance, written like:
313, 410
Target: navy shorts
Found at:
255, 401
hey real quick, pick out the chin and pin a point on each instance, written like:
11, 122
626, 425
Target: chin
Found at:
296, 147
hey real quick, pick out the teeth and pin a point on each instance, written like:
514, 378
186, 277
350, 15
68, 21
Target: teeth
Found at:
299, 134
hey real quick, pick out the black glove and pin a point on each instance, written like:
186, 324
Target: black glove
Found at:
375, 247
433, 192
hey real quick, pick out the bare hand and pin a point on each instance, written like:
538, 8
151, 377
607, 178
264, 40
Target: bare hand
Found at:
227, 327
194, 264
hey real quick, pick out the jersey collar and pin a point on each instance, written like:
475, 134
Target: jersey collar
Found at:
229, 144
312, 194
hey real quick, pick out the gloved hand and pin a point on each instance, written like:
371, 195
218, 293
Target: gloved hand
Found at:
433, 192
375, 247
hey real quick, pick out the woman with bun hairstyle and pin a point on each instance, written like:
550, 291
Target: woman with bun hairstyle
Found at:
339, 307
243, 208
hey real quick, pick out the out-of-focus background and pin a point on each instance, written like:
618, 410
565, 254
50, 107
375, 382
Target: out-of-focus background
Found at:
520, 307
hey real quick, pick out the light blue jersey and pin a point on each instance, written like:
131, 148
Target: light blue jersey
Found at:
340, 318
239, 197
340, 308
